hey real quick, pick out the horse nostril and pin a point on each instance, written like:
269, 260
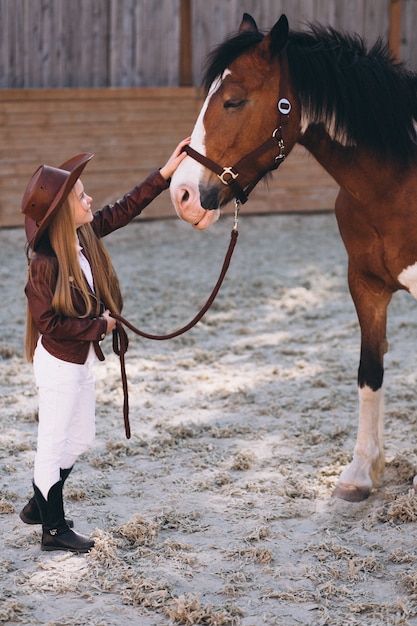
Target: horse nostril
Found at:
209, 199
185, 196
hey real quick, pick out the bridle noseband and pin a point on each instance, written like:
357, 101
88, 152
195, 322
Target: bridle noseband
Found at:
230, 175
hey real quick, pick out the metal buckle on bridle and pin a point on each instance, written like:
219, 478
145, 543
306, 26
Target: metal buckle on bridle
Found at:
236, 214
281, 145
284, 107
231, 172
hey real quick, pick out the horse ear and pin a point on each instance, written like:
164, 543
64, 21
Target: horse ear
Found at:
248, 24
279, 35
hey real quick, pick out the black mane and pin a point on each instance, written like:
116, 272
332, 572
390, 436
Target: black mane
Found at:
224, 54
361, 96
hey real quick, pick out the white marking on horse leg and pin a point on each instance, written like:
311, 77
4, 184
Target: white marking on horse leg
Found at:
408, 278
367, 466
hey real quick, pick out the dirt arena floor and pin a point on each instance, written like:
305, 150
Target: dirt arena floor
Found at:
218, 510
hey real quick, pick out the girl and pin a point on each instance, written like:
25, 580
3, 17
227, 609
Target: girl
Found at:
71, 289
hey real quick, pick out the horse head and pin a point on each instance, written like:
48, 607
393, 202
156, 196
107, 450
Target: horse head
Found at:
239, 130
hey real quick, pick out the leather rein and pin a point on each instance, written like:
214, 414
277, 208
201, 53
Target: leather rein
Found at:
121, 340
228, 176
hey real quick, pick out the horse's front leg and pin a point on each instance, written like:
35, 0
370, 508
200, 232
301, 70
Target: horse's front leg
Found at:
366, 469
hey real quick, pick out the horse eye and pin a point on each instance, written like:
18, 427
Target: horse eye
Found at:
234, 104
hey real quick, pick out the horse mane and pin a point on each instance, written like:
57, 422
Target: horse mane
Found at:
361, 96
224, 54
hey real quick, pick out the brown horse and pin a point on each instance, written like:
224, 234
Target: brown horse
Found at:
354, 110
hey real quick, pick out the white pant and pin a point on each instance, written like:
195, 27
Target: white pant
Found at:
66, 414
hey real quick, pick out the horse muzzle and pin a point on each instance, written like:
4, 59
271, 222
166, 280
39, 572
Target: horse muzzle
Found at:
196, 204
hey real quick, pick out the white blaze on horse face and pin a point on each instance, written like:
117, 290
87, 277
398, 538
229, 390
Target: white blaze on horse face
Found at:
408, 278
184, 188
199, 133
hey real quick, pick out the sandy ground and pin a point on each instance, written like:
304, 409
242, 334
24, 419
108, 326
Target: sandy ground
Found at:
218, 510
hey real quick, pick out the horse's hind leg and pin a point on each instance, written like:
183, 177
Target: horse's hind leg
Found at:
365, 471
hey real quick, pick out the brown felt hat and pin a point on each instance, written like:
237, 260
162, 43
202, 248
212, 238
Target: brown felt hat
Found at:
46, 192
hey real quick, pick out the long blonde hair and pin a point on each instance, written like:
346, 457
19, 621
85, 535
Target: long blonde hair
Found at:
70, 278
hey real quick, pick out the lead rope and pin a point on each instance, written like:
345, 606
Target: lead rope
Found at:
120, 338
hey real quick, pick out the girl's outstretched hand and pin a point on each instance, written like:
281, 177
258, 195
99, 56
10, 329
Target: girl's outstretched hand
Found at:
175, 159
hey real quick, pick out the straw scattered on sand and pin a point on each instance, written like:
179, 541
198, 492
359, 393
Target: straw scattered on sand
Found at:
218, 510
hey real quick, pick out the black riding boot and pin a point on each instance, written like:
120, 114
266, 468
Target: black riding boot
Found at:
30, 513
56, 534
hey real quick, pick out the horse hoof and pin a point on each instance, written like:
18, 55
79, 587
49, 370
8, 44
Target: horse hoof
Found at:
350, 493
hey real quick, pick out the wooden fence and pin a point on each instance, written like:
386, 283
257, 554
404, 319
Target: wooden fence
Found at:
102, 76
138, 43
131, 131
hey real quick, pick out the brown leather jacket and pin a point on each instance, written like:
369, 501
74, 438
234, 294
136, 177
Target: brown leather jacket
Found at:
69, 338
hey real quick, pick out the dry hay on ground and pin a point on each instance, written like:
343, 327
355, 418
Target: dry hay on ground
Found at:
218, 511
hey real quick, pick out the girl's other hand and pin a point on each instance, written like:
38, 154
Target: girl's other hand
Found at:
111, 322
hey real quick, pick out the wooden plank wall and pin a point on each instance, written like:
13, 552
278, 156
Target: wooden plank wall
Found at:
88, 43
131, 131
103, 75
136, 43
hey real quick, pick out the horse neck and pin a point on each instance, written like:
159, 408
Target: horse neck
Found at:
353, 169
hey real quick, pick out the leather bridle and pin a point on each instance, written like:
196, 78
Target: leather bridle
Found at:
230, 175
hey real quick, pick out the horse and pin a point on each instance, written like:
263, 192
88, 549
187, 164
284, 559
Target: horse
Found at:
354, 109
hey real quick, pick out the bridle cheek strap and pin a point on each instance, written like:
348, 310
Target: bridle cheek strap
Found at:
229, 175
